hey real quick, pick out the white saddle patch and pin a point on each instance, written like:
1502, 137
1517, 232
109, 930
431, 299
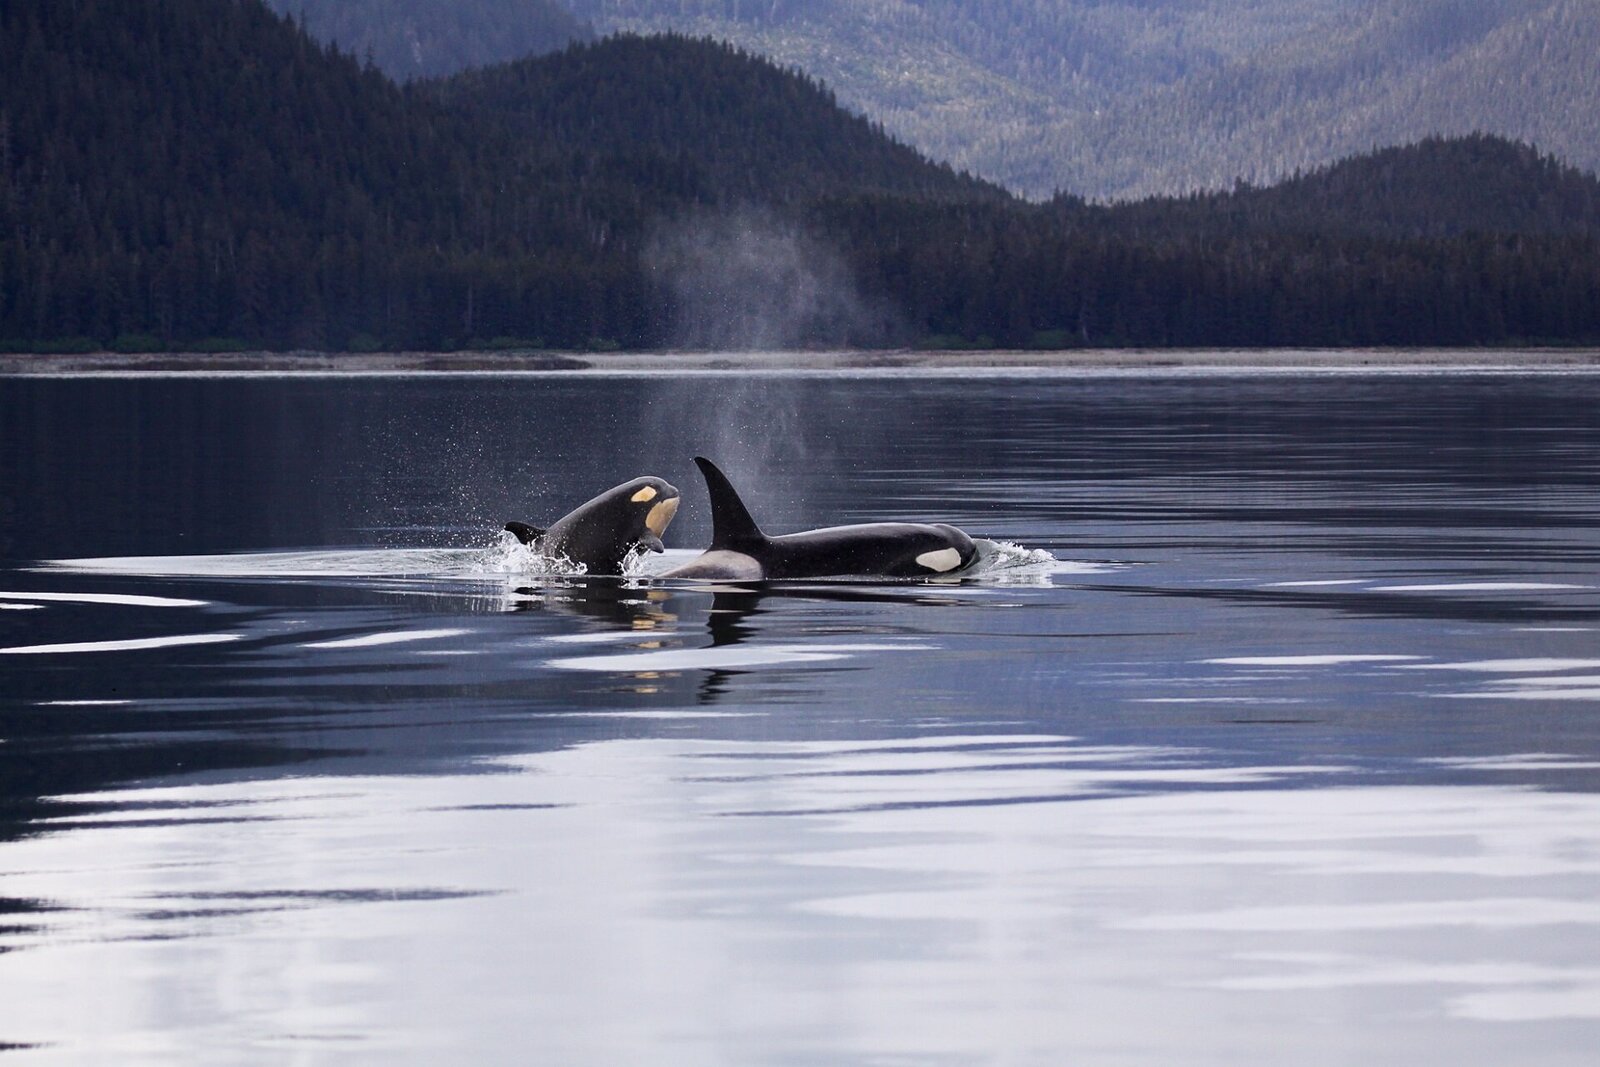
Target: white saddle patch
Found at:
719, 563
945, 559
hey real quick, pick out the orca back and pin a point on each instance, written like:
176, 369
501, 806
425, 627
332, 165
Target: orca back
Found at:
740, 551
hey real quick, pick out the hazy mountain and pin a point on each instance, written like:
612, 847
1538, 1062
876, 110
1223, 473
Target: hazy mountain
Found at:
427, 38
1134, 97
1524, 70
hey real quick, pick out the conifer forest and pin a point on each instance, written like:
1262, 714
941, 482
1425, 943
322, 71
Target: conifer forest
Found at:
207, 175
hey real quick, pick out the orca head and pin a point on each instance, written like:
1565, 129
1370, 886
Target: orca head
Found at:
654, 503
635, 513
604, 531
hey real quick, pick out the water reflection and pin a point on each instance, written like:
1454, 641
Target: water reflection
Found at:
1286, 752
937, 896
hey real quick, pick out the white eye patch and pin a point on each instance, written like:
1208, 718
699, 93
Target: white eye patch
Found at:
647, 493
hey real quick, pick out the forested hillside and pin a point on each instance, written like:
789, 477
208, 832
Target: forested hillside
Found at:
1121, 98
428, 38
699, 117
200, 174
1494, 186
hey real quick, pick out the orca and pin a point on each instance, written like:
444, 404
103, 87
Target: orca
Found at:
741, 552
605, 533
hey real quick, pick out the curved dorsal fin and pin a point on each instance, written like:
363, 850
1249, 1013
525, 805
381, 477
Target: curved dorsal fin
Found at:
731, 523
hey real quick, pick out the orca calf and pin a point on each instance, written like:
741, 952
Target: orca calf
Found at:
606, 532
740, 551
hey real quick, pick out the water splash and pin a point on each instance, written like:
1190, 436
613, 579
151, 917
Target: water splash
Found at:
1008, 563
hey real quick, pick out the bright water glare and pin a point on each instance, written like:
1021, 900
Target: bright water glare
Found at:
1266, 731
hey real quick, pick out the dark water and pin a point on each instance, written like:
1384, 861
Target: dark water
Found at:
1278, 740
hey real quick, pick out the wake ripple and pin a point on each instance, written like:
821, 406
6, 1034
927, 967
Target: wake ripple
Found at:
998, 562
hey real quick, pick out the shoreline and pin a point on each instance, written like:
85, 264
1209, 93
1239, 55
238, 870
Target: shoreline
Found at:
912, 362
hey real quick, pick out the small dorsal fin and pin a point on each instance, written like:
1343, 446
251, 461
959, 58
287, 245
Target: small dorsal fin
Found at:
525, 533
731, 524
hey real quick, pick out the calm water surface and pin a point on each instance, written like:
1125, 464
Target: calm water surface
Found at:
1276, 740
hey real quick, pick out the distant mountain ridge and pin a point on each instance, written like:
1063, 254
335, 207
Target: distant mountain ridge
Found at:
429, 38
1128, 98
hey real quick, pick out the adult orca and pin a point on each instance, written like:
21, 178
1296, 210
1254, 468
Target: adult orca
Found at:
740, 551
606, 532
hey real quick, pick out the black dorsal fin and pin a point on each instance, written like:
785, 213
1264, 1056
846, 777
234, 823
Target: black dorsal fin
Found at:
525, 533
731, 523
